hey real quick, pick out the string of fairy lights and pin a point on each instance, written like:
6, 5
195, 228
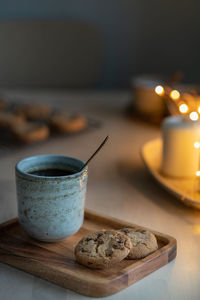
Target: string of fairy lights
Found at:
185, 103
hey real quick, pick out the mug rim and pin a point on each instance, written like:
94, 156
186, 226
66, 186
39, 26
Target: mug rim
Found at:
33, 176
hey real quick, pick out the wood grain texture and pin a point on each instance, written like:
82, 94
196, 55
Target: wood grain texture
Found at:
185, 189
55, 262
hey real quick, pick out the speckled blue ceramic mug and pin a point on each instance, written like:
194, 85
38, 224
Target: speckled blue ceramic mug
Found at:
50, 208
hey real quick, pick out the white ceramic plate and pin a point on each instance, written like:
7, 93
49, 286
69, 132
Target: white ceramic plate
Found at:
186, 190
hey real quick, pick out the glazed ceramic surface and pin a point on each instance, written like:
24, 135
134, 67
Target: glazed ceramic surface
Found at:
50, 208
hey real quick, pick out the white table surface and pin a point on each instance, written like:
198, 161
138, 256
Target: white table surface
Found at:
119, 186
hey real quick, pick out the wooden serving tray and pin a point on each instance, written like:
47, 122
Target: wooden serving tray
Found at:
55, 261
185, 190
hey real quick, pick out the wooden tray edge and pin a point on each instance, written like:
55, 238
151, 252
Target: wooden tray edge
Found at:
90, 214
183, 198
128, 276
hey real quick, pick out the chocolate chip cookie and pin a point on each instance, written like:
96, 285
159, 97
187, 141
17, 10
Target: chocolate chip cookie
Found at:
143, 242
102, 249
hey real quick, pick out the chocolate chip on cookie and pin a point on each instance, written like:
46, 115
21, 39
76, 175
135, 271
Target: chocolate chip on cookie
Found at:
109, 252
102, 249
88, 239
125, 230
143, 242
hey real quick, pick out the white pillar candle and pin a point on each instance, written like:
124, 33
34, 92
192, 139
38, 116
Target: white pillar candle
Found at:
181, 138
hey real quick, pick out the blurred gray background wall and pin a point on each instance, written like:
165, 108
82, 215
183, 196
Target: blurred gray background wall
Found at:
137, 36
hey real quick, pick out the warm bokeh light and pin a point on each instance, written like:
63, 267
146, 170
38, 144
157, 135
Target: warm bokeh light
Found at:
159, 90
198, 173
183, 108
197, 145
194, 116
174, 94
198, 109
196, 229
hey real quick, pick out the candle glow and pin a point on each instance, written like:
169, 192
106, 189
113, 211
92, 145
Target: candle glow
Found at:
198, 173
159, 90
197, 145
194, 116
175, 95
198, 109
183, 108
181, 145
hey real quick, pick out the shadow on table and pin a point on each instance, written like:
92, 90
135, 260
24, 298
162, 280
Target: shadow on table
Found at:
145, 184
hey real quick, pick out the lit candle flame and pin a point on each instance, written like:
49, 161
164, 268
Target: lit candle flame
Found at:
159, 90
198, 109
194, 116
175, 95
197, 145
183, 108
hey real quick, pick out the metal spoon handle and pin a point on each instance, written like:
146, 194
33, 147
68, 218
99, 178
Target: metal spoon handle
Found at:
98, 149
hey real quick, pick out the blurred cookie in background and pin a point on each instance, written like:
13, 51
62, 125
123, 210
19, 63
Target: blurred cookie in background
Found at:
33, 111
62, 122
8, 120
31, 132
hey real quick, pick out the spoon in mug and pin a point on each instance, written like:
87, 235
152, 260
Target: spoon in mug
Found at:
92, 156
